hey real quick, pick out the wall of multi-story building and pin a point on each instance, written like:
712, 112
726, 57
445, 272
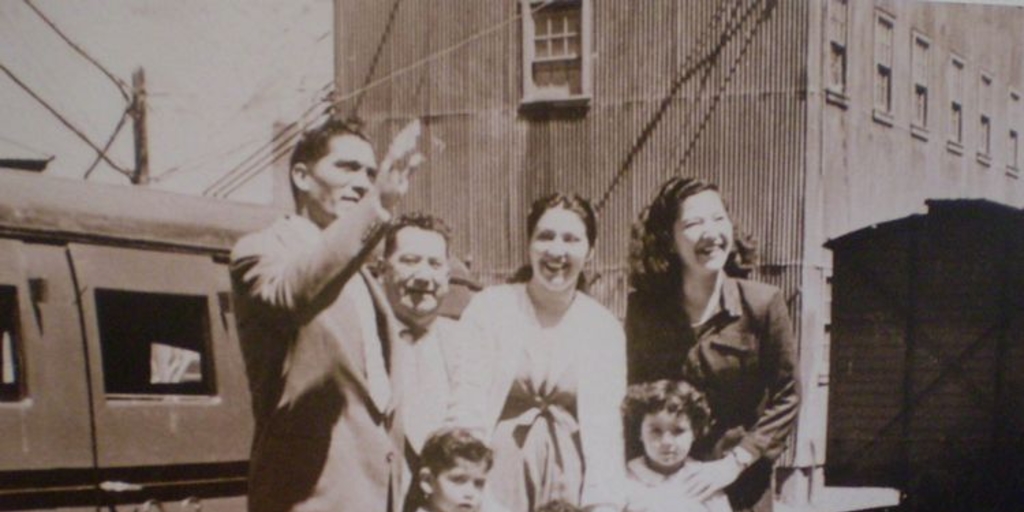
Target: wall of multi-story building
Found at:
909, 101
921, 136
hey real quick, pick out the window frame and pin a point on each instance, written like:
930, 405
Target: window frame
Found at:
17, 390
837, 49
1013, 134
955, 84
108, 300
984, 147
883, 75
920, 84
532, 94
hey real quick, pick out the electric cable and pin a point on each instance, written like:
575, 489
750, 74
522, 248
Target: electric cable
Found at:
121, 85
110, 141
67, 124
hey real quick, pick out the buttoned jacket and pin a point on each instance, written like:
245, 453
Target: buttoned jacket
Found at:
742, 357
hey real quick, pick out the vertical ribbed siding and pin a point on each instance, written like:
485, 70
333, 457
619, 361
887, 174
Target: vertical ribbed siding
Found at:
497, 158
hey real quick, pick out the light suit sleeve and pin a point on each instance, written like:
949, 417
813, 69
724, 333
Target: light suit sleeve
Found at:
285, 271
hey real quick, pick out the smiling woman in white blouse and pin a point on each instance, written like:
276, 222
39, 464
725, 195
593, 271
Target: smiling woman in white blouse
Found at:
550, 371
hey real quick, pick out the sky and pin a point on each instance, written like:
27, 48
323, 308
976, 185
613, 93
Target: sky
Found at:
218, 75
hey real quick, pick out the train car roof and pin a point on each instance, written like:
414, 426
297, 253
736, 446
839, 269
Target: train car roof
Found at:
38, 207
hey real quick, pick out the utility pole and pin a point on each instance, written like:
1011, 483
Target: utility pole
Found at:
138, 112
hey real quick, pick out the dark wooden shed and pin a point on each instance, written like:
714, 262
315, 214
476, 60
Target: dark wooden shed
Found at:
927, 357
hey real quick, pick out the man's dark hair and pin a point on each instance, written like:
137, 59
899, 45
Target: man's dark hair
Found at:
444, 447
314, 144
422, 221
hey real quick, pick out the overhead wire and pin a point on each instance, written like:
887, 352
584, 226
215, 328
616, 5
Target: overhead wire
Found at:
336, 99
690, 67
110, 141
375, 61
202, 159
244, 166
705, 65
224, 186
281, 148
26, 147
280, 151
67, 124
121, 85
717, 98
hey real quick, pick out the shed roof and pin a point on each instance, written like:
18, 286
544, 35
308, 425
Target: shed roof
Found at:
937, 208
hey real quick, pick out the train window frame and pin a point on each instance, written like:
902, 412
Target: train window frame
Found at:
12, 350
133, 379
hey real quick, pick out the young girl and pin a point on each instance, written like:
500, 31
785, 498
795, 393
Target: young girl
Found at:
667, 417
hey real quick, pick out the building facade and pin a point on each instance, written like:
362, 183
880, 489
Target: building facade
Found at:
815, 118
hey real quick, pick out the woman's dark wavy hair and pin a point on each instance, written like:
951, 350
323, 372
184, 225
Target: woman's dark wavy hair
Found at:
679, 398
653, 262
572, 202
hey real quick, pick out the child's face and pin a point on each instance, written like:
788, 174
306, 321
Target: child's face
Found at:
667, 440
457, 489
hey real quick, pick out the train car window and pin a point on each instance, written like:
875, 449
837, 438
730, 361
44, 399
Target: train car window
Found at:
154, 343
11, 388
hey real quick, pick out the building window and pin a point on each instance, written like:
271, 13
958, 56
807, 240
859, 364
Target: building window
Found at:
956, 105
11, 382
919, 70
1013, 152
1013, 149
154, 343
838, 12
985, 119
884, 25
556, 44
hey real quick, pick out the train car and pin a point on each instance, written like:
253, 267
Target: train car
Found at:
122, 386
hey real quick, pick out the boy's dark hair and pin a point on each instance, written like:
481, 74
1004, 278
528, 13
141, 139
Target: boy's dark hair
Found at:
422, 221
444, 447
558, 506
679, 398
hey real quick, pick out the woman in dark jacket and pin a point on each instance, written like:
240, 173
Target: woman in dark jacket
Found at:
688, 319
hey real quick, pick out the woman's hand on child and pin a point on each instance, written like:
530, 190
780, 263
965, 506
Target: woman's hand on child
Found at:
705, 480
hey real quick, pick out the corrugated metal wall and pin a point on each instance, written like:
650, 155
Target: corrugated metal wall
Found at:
489, 160
457, 65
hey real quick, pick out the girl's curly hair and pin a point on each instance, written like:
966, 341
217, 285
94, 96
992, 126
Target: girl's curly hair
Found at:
679, 398
653, 262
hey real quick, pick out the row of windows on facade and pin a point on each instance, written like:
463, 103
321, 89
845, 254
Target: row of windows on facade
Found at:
152, 344
920, 59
